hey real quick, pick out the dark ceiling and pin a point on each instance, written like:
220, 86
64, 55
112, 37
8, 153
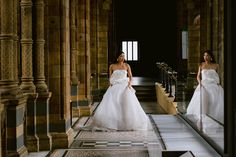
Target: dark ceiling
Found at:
153, 24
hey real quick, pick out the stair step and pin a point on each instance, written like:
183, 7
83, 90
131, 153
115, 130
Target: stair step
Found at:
145, 92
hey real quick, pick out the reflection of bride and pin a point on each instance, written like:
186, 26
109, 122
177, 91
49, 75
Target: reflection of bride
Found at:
208, 97
120, 108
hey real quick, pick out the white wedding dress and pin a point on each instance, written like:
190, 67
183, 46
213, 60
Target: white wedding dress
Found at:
120, 108
208, 99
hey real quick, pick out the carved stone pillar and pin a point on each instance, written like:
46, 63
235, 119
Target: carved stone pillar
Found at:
39, 47
103, 10
59, 76
1, 127
13, 98
27, 84
42, 112
74, 78
84, 57
8, 37
73, 48
193, 47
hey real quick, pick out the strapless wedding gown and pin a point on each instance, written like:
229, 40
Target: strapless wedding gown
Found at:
209, 98
120, 108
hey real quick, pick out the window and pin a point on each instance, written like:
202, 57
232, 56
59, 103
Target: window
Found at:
184, 45
130, 48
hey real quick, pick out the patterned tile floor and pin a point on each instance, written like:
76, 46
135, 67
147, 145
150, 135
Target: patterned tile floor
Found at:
89, 143
114, 144
172, 132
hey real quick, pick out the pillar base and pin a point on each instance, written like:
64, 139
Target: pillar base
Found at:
84, 111
15, 109
75, 112
62, 140
45, 142
42, 121
32, 143
22, 152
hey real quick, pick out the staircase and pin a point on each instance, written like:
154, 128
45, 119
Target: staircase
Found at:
145, 93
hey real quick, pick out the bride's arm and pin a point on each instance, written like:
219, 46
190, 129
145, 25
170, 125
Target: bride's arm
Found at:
199, 74
110, 72
129, 75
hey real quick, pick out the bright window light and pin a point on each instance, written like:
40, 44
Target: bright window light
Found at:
184, 45
135, 50
130, 48
124, 48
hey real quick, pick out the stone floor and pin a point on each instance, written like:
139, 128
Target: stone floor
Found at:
170, 134
114, 143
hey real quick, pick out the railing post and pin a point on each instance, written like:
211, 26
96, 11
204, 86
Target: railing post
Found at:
175, 79
170, 83
167, 80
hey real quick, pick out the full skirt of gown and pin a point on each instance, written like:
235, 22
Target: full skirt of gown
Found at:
208, 99
120, 108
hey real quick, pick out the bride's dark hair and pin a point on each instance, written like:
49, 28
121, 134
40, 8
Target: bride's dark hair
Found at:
209, 52
119, 53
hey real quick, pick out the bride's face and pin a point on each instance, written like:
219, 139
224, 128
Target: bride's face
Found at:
207, 57
121, 58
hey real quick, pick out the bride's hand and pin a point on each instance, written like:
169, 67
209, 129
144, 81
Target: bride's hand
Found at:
129, 85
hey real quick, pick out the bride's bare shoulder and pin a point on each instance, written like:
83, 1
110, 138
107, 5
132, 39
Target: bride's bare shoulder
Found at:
127, 65
111, 66
216, 66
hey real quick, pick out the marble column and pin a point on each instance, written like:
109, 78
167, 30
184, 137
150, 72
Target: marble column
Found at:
42, 112
11, 95
27, 84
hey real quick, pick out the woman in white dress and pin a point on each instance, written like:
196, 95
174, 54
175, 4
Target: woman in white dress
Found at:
208, 97
120, 108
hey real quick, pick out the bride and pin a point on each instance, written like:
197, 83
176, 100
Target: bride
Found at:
120, 108
208, 97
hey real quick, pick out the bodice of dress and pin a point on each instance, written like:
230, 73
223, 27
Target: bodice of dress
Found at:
210, 76
119, 76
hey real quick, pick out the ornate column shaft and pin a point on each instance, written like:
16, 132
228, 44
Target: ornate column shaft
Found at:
14, 100
27, 84
42, 112
39, 47
8, 39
